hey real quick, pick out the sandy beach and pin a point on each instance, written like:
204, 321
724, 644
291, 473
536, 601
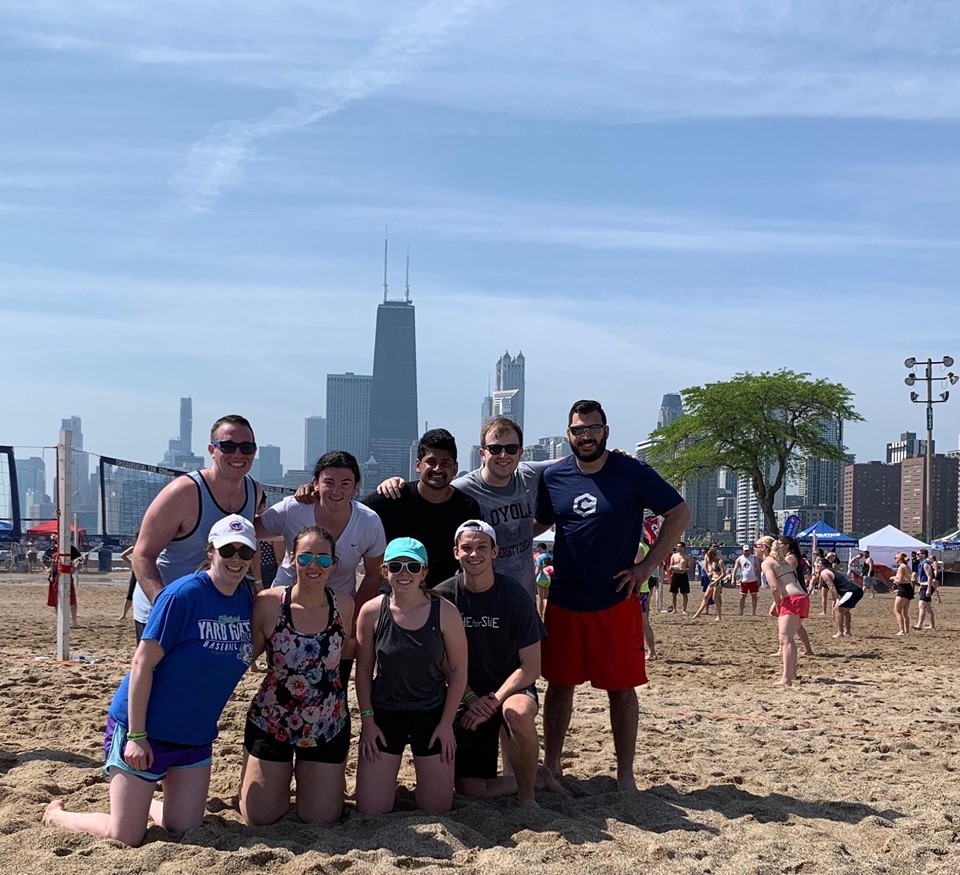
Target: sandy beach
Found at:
852, 771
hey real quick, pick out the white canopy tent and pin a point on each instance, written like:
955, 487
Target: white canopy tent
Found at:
887, 542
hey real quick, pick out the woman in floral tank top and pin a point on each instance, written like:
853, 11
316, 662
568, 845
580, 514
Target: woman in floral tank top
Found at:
298, 722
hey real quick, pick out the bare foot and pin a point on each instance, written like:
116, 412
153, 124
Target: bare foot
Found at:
546, 781
626, 782
50, 813
783, 683
651, 657
808, 653
838, 635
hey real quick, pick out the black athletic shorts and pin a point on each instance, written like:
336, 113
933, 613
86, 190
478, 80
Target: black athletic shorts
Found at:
415, 728
264, 746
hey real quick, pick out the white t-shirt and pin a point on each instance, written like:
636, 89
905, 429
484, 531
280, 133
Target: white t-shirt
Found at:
363, 537
745, 569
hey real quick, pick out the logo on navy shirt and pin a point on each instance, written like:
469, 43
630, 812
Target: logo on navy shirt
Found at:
585, 505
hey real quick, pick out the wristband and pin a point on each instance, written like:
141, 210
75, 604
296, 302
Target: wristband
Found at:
367, 712
470, 695
136, 736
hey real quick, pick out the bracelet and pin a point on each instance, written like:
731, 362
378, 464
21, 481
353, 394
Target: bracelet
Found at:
136, 736
366, 712
259, 581
470, 695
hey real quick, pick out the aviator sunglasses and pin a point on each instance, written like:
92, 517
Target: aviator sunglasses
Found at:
324, 560
228, 448
497, 449
411, 567
228, 551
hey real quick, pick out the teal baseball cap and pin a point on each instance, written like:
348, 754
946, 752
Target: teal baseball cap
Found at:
405, 548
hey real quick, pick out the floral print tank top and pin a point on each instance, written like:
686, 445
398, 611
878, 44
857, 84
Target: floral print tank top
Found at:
301, 700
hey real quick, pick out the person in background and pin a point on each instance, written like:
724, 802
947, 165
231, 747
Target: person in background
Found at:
298, 723
53, 577
716, 572
902, 582
411, 676
163, 718
791, 604
125, 556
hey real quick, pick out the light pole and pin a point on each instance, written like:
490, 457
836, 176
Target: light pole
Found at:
929, 379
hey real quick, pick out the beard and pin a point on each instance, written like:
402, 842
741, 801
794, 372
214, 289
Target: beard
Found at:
591, 454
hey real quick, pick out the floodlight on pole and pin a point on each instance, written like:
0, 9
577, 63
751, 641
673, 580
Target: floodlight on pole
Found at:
928, 378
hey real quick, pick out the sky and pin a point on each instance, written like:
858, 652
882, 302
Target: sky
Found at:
640, 196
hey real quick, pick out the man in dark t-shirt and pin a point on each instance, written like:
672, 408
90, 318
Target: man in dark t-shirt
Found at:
429, 509
597, 501
503, 663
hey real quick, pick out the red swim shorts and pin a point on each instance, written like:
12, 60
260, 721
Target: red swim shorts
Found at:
749, 586
603, 647
798, 605
53, 592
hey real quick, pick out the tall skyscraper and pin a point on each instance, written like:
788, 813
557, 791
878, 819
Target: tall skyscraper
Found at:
820, 481
348, 414
508, 395
186, 425
179, 452
314, 440
671, 408
908, 447
871, 497
393, 399
31, 483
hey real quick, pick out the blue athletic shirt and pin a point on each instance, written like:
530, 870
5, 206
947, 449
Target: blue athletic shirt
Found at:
599, 523
207, 646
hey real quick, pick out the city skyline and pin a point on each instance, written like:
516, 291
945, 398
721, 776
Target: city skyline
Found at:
777, 187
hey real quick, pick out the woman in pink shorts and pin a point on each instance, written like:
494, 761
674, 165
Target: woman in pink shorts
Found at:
791, 604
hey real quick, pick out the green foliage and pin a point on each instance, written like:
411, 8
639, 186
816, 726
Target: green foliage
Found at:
755, 425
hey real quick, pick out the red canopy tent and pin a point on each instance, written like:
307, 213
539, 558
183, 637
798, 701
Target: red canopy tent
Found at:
51, 527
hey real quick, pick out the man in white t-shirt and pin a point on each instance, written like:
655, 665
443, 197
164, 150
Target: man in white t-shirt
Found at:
746, 576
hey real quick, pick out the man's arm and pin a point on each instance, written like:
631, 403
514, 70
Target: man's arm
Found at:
482, 708
371, 580
173, 511
674, 524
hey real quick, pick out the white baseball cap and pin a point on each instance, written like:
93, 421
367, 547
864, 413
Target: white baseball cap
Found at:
233, 529
475, 526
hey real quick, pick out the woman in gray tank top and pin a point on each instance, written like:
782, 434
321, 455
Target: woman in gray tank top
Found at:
411, 675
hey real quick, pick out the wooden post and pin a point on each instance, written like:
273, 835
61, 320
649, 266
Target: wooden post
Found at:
64, 566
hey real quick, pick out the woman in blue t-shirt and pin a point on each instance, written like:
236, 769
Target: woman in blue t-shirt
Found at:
163, 719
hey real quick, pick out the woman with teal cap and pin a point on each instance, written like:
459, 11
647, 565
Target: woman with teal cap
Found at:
411, 676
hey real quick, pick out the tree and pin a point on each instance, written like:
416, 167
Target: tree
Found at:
755, 425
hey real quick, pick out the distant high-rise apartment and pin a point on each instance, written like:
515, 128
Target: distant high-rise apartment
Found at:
908, 447
871, 497
750, 521
671, 408
393, 399
820, 480
509, 391
314, 440
31, 483
348, 414
270, 470
913, 496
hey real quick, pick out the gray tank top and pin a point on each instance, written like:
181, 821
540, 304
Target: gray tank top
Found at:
409, 663
184, 555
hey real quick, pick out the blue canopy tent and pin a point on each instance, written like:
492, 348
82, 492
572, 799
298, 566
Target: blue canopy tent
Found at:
825, 536
950, 542
6, 531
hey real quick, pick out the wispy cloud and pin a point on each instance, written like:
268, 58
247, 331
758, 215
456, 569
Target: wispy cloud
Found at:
215, 163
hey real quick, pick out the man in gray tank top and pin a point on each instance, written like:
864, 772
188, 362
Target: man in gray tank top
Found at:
173, 535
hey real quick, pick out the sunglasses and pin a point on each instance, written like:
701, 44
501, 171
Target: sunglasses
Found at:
411, 567
228, 448
228, 551
324, 560
497, 449
580, 430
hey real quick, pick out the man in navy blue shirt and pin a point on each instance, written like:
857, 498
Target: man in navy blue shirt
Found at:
594, 619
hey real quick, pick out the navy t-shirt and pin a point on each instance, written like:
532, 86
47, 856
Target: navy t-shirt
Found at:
599, 523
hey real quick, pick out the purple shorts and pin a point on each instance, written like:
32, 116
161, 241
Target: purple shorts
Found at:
166, 756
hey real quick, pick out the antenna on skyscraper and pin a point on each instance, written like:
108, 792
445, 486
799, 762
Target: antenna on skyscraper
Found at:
385, 239
408, 274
